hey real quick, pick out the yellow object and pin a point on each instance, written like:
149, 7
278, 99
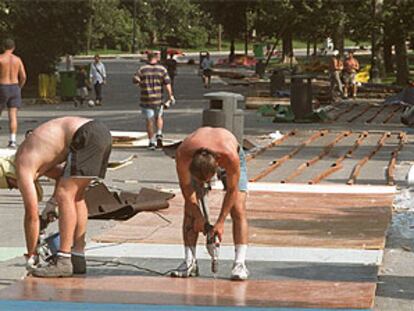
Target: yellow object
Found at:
363, 75
47, 85
8, 170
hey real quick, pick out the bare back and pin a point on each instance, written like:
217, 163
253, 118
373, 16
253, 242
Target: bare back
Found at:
47, 146
11, 69
219, 140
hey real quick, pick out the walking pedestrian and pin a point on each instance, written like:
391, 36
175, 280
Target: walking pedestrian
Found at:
207, 69
98, 77
335, 69
151, 78
12, 80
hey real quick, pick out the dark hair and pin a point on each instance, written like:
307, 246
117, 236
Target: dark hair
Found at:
151, 56
8, 44
203, 164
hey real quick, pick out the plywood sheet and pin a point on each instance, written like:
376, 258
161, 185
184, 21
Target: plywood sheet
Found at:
195, 291
277, 219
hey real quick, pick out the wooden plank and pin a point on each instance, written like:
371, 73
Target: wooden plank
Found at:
334, 220
356, 170
325, 151
402, 136
195, 291
280, 161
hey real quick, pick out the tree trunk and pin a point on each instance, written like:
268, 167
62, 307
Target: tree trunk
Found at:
388, 60
308, 44
287, 46
232, 54
377, 64
403, 72
315, 47
338, 36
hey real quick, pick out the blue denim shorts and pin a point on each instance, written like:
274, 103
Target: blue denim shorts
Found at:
152, 113
243, 180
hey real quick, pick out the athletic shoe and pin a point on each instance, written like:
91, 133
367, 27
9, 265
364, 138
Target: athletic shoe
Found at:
58, 267
184, 270
151, 146
79, 264
239, 272
159, 141
12, 144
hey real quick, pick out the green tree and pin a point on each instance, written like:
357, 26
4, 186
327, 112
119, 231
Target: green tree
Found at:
44, 31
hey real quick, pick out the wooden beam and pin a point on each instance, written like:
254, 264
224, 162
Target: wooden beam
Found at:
337, 165
276, 163
369, 120
368, 107
315, 159
391, 114
402, 136
349, 109
357, 168
272, 144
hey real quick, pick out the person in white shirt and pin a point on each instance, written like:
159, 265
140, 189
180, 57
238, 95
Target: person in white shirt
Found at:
207, 70
97, 75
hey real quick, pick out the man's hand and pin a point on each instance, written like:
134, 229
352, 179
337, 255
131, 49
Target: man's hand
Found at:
31, 262
136, 80
219, 230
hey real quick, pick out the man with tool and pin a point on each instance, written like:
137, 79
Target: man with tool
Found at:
198, 159
85, 146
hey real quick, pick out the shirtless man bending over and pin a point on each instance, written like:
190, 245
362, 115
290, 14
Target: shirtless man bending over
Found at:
198, 159
12, 79
85, 146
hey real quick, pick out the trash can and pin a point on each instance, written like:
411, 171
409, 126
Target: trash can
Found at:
67, 84
163, 53
277, 81
225, 110
260, 69
258, 50
301, 96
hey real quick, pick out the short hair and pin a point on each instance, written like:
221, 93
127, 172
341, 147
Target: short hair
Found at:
203, 164
8, 44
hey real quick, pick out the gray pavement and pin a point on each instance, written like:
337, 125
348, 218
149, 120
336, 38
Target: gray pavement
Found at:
120, 111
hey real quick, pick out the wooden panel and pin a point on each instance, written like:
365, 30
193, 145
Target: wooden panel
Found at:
195, 291
278, 219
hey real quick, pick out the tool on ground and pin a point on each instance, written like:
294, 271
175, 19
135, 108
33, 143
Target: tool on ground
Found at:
212, 240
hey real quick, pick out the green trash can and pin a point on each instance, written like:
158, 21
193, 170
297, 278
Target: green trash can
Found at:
67, 85
163, 52
258, 50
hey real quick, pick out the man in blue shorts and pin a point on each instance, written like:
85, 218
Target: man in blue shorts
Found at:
200, 156
152, 77
12, 79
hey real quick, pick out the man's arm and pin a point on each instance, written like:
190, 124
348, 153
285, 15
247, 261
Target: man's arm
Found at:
22, 74
31, 215
230, 198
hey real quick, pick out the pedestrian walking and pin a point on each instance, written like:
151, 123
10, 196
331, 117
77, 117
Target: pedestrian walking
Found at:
98, 77
12, 80
207, 69
152, 78
335, 69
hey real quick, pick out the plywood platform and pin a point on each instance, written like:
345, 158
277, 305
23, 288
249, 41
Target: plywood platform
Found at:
277, 219
195, 291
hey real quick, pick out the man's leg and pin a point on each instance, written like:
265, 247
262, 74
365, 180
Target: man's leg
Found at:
149, 115
98, 93
79, 243
12, 112
69, 192
189, 267
160, 125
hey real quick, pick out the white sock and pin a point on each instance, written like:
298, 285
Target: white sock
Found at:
190, 253
13, 137
159, 132
240, 253
152, 140
65, 255
78, 254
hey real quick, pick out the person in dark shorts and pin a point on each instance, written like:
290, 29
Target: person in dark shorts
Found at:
12, 79
207, 70
74, 151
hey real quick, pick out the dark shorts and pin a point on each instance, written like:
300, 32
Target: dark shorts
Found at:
89, 151
10, 96
207, 72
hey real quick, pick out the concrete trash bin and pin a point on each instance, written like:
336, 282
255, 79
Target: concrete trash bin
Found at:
301, 96
225, 110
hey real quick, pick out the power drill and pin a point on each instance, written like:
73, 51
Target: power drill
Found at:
212, 240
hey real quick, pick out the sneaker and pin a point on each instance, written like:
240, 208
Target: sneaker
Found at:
184, 270
58, 267
239, 272
12, 144
159, 141
79, 264
151, 146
